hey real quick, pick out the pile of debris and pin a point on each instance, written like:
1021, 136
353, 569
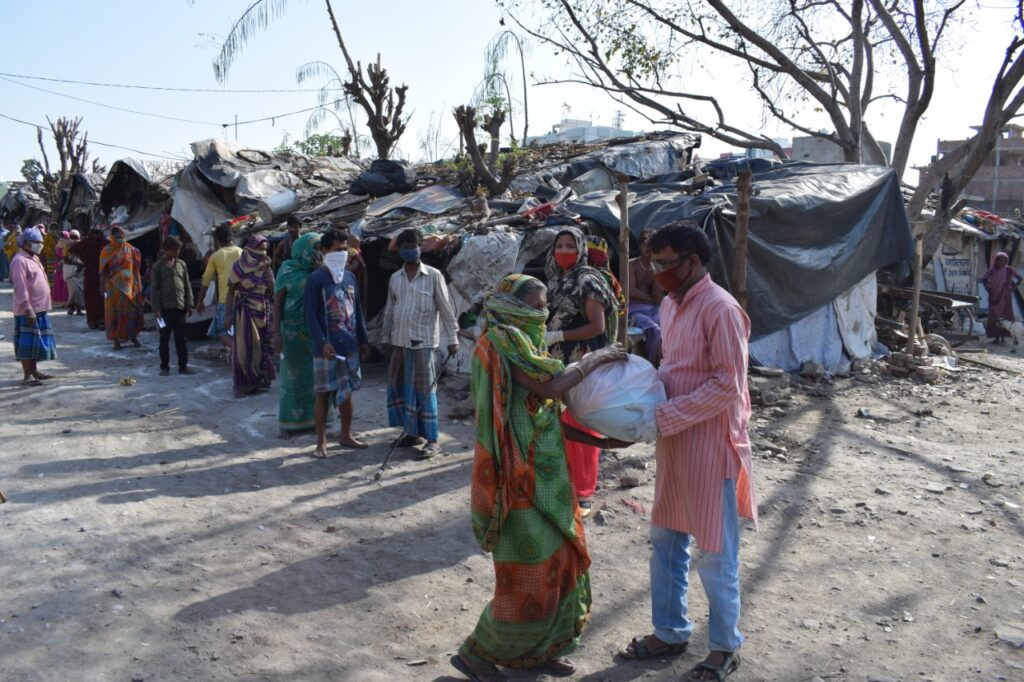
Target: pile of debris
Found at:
919, 366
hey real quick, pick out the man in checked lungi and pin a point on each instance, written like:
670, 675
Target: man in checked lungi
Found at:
33, 335
418, 317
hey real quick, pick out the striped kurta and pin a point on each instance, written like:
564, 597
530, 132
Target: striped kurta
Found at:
703, 426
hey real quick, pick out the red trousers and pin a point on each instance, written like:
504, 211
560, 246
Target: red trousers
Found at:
582, 460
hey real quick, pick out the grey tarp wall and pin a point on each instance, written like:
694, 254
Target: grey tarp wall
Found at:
815, 232
132, 198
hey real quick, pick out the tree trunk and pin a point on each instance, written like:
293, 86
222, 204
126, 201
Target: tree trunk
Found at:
744, 188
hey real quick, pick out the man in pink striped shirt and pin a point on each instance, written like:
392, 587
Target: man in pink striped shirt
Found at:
704, 482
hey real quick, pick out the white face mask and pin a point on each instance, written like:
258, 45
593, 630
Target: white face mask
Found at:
336, 262
35, 247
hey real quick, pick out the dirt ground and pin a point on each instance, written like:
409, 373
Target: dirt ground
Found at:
161, 531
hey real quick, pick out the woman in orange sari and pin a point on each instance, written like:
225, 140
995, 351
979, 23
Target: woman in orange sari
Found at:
120, 271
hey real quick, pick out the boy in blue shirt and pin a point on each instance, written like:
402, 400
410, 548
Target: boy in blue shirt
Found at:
334, 316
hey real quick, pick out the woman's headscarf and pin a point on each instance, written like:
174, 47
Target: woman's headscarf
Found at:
29, 234
517, 329
597, 256
999, 278
568, 290
294, 272
253, 258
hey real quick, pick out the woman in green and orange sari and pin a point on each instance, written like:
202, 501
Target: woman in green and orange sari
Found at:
121, 273
524, 509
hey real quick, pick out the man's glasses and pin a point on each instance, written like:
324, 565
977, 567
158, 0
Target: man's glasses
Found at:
663, 265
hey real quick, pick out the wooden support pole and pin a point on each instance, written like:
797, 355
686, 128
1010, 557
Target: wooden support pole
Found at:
744, 188
915, 304
623, 201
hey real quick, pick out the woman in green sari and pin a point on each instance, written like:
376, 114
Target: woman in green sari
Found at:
523, 505
295, 403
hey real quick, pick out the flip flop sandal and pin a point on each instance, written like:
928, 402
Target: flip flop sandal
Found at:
560, 667
32, 382
41, 376
639, 651
463, 668
729, 665
427, 452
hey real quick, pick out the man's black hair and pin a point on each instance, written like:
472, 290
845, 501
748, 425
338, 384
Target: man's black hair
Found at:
172, 243
331, 236
293, 221
408, 236
222, 234
683, 236
645, 236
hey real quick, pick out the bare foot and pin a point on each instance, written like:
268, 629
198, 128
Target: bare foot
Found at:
352, 442
320, 452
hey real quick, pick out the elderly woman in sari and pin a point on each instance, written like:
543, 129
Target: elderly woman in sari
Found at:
1000, 281
250, 306
121, 273
524, 511
584, 317
295, 401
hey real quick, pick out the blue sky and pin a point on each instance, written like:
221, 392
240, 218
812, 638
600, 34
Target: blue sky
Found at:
435, 47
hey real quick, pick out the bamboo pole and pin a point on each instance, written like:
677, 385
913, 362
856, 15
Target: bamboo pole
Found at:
744, 188
915, 305
623, 201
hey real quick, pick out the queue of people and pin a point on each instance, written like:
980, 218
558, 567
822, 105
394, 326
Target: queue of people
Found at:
535, 467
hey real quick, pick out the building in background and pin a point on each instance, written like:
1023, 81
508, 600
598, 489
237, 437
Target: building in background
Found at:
820, 150
579, 131
998, 186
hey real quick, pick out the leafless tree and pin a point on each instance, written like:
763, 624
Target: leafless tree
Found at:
486, 172
72, 148
383, 103
840, 56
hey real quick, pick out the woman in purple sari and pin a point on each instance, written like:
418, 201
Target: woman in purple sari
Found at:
1000, 281
250, 305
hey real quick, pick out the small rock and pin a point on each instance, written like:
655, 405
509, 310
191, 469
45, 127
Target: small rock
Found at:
626, 482
980, 599
810, 624
881, 678
138, 678
931, 487
1012, 634
863, 413
990, 479
907, 618
812, 370
882, 491
838, 510
117, 593
237, 634
418, 661
602, 517
331, 528
1000, 562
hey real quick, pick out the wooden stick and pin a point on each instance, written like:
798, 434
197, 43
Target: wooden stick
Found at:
915, 305
744, 188
623, 201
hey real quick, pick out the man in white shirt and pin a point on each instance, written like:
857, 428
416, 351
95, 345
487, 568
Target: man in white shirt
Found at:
418, 300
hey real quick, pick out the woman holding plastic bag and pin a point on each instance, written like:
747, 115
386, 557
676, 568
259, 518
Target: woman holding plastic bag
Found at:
584, 317
523, 508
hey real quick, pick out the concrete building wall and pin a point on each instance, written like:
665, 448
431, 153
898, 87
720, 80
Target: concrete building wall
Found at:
999, 183
820, 150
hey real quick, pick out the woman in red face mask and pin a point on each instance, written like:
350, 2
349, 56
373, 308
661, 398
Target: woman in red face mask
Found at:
583, 317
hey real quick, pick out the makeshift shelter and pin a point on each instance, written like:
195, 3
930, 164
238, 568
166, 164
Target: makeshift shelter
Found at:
967, 251
133, 199
818, 235
23, 206
224, 182
79, 207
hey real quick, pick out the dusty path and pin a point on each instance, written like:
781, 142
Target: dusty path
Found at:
194, 545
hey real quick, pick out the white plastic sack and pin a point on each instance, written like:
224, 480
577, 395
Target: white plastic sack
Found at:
619, 399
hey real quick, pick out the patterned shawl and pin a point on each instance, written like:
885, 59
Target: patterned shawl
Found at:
253, 276
568, 290
597, 255
122, 261
293, 275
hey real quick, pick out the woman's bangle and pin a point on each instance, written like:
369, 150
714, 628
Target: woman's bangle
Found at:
583, 375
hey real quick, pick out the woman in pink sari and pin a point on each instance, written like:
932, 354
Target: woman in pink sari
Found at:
59, 290
1000, 281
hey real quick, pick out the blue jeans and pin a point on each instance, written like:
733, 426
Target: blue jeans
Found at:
719, 574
